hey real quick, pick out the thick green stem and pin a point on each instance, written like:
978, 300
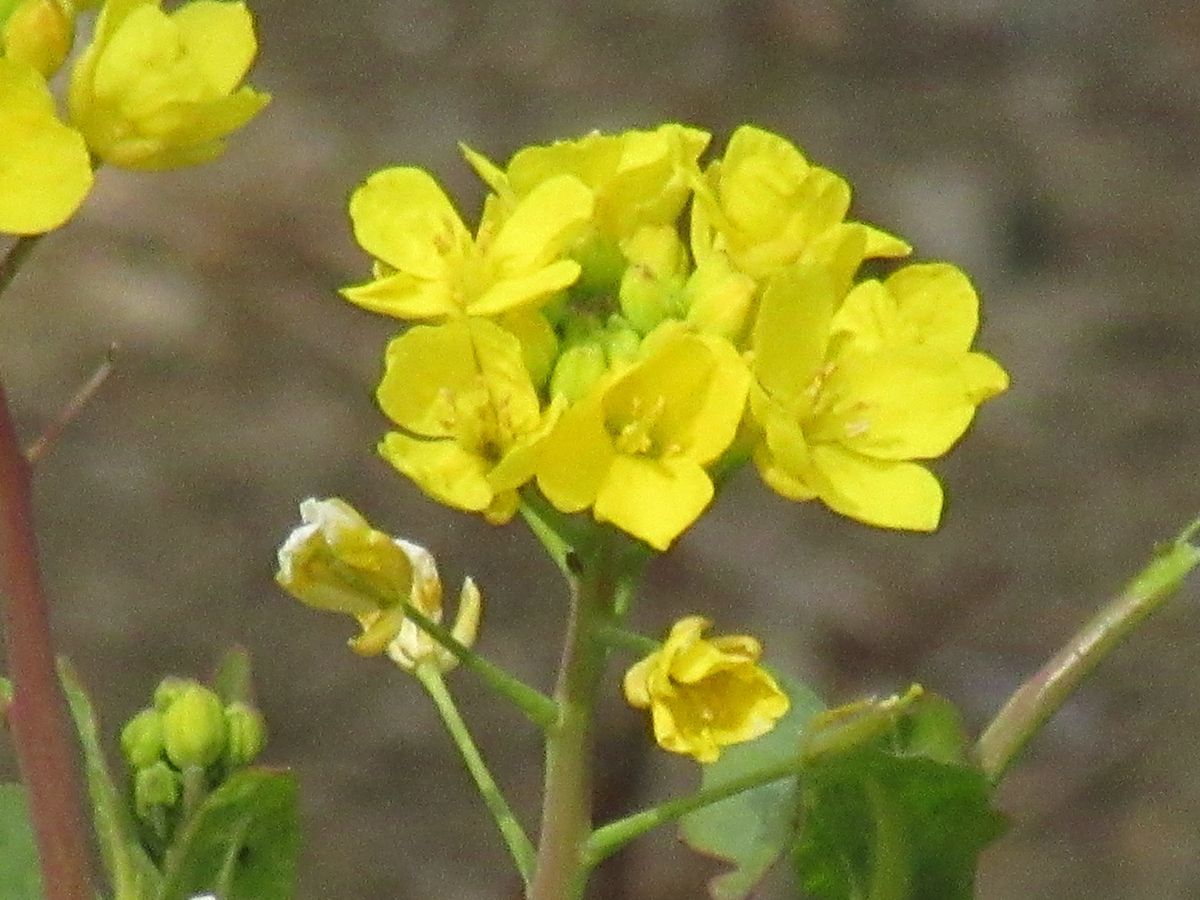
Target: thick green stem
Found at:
567, 799
45, 746
510, 829
610, 838
1041, 696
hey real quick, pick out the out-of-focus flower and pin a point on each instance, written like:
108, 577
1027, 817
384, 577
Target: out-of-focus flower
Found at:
45, 171
471, 420
142, 739
848, 400
705, 694
247, 733
193, 728
38, 33
430, 267
634, 450
336, 561
157, 90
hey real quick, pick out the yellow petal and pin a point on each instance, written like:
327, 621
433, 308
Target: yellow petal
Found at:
541, 227
576, 458
402, 216
404, 296
654, 500
938, 301
218, 37
422, 367
792, 331
887, 494
45, 171
443, 469
519, 293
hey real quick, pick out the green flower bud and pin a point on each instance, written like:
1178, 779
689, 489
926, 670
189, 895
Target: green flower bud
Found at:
194, 729
621, 343
142, 739
577, 369
247, 734
168, 689
155, 787
601, 262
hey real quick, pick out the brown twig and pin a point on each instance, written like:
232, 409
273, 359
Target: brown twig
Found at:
15, 257
37, 717
69, 413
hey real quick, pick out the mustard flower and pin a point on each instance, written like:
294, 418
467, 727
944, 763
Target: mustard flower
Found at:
471, 419
705, 694
639, 178
765, 206
158, 91
45, 171
848, 400
634, 450
38, 33
336, 561
429, 266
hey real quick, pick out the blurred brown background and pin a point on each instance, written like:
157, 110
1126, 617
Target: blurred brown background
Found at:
1047, 147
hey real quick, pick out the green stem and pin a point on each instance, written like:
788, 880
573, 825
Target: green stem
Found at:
1041, 696
536, 706
552, 529
15, 258
567, 798
621, 639
514, 835
612, 837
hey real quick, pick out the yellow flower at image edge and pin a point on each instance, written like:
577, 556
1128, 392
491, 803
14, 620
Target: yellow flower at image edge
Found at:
705, 694
157, 90
336, 561
45, 172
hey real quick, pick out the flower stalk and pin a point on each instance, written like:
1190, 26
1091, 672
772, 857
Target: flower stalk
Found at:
1039, 698
37, 717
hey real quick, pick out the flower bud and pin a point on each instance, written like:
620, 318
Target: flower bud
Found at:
601, 262
194, 730
246, 734
168, 690
720, 300
621, 343
39, 33
155, 787
142, 739
651, 285
578, 368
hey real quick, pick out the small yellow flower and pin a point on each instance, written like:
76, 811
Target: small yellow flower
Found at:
765, 206
337, 562
705, 694
848, 400
158, 91
471, 419
429, 266
634, 450
38, 33
45, 171
639, 178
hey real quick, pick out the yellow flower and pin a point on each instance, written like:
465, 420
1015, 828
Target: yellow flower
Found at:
160, 91
639, 178
848, 400
472, 421
705, 694
429, 266
38, 33
337, 562
766, 206
44, 168
634, 450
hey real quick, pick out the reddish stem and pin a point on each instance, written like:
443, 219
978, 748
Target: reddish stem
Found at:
45, 748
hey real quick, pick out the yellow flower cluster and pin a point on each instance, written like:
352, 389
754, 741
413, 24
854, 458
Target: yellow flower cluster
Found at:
152, 90
626, 320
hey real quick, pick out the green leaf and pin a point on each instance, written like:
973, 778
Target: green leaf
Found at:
892, 808
131, 872
242, 842
751, 830
232, 679
20, 877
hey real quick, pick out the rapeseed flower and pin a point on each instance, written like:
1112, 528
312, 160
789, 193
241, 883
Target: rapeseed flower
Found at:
850, 394
157, 90
705, 694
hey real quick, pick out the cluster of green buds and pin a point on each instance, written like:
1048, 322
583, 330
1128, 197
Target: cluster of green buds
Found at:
183, 745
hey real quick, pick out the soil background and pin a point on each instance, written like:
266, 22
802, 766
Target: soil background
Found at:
1050, 149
